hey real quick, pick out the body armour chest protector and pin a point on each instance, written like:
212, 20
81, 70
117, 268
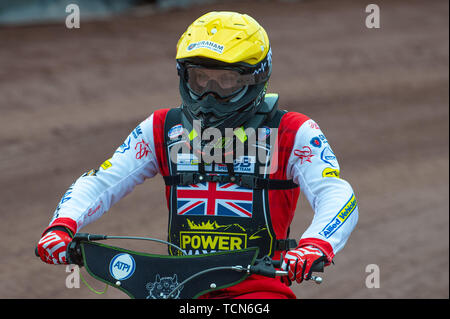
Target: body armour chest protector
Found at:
221, 206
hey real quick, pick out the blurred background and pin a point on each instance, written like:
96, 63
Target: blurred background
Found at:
69, 97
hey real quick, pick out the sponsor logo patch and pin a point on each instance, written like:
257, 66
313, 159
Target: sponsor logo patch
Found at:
318, 141
209, 237
330, 172
244, 164
340, 218
137, 131
122, 266
124, 147
313, 125
106, 164
304, 154
175, 131
189, 162
212, 241
328, 157
142, 149
162, 287
206, 45
92, 172
263, 133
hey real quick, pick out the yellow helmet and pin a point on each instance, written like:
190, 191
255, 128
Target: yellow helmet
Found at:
224, 61
229, 37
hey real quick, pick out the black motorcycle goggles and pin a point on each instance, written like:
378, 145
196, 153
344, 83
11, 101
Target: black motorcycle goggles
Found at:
223, 82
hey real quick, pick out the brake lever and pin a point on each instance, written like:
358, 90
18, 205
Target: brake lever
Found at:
73, 253
266, 267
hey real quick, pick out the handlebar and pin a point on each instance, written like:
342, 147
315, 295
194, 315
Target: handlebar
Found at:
264, 266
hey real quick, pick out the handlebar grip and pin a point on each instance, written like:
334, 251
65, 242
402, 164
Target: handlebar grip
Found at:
73, 256
276, 263
318, 267
315, 268
261, 270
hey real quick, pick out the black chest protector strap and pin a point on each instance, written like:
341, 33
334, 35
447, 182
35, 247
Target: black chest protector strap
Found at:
285, 244
248, 181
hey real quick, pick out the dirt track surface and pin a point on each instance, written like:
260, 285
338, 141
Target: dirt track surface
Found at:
70, 97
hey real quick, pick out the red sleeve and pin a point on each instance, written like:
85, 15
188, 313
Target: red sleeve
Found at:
159, 119
283, 202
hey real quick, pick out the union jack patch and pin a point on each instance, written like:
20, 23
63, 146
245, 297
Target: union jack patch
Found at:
215, 199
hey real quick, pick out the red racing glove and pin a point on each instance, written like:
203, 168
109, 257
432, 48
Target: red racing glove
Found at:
298, 262
52, 246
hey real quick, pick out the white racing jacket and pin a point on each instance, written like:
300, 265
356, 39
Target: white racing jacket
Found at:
308, 160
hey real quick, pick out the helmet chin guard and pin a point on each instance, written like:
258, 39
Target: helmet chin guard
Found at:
214, 113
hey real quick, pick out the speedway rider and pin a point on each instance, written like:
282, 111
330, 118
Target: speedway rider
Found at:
224, 61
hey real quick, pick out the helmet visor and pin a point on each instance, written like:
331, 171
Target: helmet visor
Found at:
223, 82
